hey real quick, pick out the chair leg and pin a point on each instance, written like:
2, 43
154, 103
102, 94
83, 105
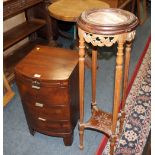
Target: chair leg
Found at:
9, 94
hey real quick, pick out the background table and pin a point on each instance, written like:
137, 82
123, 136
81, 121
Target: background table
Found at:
70, 10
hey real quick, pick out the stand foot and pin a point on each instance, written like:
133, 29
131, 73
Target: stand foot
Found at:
81, 133
112, 144
81, 147
121, 122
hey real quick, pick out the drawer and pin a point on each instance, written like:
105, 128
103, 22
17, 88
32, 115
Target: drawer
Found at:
51, 114
44, 125
25, 89
49, 95
56, 96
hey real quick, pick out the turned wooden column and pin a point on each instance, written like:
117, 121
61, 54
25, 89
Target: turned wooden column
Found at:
118, 84
125, 83
81, 84
117, 91
94, 67
126, 72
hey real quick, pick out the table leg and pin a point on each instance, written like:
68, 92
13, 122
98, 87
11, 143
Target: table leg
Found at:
94, 66
74, 45
142, 10
133, 6
117, 90
125, 83
81, 85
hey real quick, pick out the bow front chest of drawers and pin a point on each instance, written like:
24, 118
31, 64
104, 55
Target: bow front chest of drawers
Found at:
47, 79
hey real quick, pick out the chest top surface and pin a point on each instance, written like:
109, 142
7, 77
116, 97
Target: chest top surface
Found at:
48, 63
107, 21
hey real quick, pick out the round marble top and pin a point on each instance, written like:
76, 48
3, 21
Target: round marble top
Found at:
107, 21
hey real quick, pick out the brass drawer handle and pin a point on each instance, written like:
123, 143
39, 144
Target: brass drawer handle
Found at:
42, 119
37, 104
36, 85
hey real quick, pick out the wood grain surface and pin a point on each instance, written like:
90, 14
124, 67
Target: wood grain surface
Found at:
70, 10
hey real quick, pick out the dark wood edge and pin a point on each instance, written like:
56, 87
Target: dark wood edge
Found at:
108, 29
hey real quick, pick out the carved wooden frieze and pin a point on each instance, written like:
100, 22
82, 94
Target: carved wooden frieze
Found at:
131, 36
107, 40
100, 40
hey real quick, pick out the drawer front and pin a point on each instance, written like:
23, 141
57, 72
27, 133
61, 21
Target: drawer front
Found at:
56, 96
25, 89
48, 121
45, 124
54, 113
52, 127
48, 95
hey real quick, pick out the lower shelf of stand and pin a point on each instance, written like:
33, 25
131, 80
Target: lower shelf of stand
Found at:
101, 121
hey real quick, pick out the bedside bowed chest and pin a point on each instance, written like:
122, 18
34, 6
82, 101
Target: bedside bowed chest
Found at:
47, 80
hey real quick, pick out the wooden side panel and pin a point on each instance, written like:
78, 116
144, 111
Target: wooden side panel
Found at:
74, 95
